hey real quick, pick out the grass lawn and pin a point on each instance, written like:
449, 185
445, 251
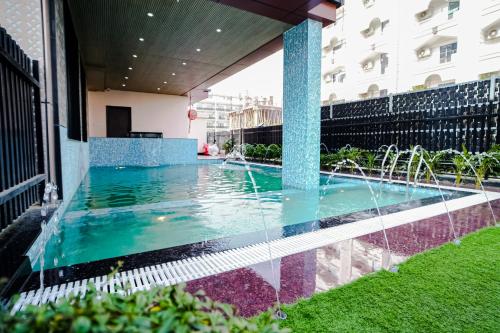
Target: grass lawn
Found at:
447, 289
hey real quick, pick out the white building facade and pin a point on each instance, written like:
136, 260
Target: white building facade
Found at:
215, 110
379, 47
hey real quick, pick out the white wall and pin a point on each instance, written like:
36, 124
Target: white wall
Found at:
199, 131
150, 112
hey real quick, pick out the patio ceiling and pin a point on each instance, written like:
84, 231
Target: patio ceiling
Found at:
181, 37
109, 33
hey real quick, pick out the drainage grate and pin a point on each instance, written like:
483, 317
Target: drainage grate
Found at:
210, 264
157, 275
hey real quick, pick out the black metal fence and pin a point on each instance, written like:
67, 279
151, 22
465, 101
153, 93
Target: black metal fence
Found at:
437, 119
448, 117
265, 135
21, 147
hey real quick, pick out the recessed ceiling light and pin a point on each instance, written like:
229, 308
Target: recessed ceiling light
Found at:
173, 74
126, 77
134, 55
141, 39
130, 68
124, 85
198, 50
184, 64
150, 14
164, 82
218, 30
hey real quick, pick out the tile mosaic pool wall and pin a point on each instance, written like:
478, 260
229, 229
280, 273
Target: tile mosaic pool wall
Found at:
301, 105
141, 152
74, 162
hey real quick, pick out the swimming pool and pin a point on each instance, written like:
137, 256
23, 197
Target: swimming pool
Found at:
128, 210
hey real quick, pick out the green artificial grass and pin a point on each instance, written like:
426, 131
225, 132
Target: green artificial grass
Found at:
447, 289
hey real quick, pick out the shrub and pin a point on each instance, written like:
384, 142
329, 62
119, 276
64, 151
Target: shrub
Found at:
434, 161
494, 149
370, 161
460, 165
330, 160
169, 309
494, 152
260, 151
248, 150
485, 165
273, 151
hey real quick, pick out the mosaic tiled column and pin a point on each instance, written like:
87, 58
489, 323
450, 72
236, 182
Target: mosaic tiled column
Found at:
301, 105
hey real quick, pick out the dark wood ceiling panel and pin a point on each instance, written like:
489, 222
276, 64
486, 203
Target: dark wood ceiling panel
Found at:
109, 32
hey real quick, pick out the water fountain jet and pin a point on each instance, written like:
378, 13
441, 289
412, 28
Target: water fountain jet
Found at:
420, 151
394, 268
393, 164
323, 145
235, 154
50, 198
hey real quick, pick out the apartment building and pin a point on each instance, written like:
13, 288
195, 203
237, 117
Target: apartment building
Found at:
379, 47
215, 110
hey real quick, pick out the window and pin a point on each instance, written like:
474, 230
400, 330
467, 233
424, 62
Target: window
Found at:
384, 24
338, 77
384, 62
445, 52
453, 6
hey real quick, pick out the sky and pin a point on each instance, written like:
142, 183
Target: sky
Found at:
263, 79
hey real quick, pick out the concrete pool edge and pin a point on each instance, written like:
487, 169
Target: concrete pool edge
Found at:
192, 268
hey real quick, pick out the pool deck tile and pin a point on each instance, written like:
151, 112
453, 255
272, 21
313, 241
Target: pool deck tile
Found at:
300, 275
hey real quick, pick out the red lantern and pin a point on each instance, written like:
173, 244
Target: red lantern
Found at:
192, 114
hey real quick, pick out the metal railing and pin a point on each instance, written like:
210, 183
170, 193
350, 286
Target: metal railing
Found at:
21, 147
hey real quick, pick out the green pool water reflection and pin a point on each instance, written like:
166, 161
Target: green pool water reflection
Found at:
120, 211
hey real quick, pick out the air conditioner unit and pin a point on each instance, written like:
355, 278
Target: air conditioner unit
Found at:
424, 15
492, 34
369, 31
368, 65
368, 3
424, 53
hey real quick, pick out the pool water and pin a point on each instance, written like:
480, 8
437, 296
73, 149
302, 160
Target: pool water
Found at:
126, 210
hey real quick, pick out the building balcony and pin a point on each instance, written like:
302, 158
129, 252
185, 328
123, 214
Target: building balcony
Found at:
435, 13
